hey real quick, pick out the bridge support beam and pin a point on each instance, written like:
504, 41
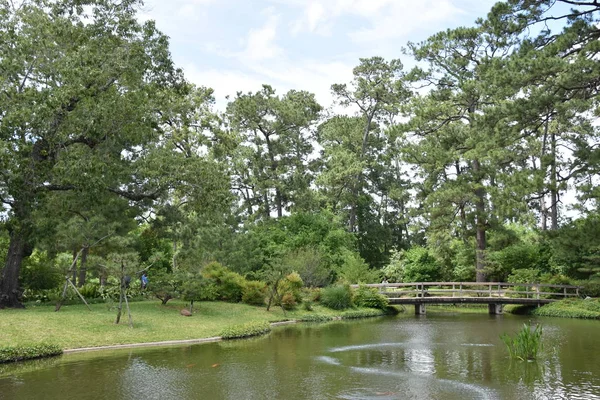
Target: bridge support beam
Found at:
420, 309
495, 308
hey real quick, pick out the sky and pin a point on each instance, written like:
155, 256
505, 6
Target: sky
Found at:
237, 45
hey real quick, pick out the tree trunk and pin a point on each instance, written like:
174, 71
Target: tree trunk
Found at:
74, 269
553, 184
83, 267
18, 249
481, 225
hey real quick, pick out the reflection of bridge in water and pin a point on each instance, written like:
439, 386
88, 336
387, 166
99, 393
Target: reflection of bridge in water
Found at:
494, 294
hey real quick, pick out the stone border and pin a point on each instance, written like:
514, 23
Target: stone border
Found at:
163, 343
175, 342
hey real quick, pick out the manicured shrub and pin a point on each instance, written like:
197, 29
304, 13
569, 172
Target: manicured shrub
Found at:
254, 293
246, 330
370, 297
19, 353
316, 318
354, 314
337, 297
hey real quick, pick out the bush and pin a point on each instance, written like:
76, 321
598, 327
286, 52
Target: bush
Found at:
19, 353
90, 290
230, 285
288, 301
370, 297
590, 289
40, 273
254, 293
420, 266
246, 330
354, 314
316, 318
337, 297
571, 308
310, 265
355, 270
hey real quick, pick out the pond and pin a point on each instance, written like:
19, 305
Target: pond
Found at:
437, 356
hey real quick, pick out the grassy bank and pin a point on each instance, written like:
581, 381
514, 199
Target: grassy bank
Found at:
570, 308
74, 326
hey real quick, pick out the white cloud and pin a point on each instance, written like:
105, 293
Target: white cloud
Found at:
260, 44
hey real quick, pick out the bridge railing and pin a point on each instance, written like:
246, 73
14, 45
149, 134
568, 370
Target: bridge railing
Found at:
475, 289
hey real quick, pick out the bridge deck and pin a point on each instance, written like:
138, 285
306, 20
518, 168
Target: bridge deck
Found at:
467, 300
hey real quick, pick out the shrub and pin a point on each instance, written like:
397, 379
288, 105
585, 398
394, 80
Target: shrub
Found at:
354, 314
370, 297
571, 308
526, 344
356, 270
288, 301
337, 297
307, 305
230, 285
90, 290
316, 318
310, 265
246, 330
420, 266
39, 272
590, 289
19, 353
254, 293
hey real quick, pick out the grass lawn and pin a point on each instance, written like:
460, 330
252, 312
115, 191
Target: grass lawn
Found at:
74, 326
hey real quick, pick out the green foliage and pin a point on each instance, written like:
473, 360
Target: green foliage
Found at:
197, 288
165, 286
254, 293
288, 301
316, 318
39, 272
355, 314
90, 290
370, 297
576, 248
229, 284
418, 265
524, 276
28, 352
571, 308
526, 344
310, 265
355, 270
590, 288
246, 330
338, 297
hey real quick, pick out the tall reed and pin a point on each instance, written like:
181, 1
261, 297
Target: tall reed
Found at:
526, 344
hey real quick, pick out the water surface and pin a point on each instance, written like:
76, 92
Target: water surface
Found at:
437, 356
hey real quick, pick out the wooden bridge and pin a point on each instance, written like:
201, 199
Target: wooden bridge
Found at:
494, 294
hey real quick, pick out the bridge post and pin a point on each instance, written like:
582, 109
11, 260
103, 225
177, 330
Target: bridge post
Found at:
495, 308
420, 309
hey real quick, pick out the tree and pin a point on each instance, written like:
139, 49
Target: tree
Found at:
377, 90
460, 146
271, 165
80, 83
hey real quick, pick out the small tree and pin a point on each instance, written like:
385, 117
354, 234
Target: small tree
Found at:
197, 288
165, 286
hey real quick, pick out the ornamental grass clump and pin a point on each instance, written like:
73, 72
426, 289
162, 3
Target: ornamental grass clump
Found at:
526, 344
